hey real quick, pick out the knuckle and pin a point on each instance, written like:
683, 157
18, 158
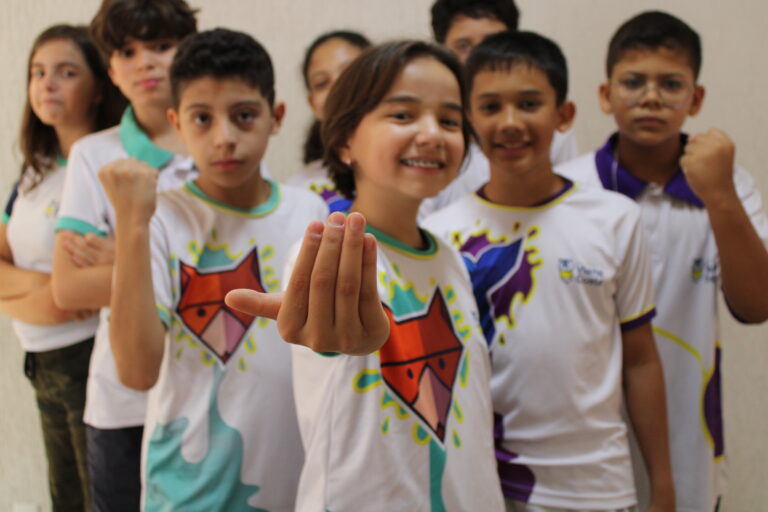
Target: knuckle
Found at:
322, 280
347, 288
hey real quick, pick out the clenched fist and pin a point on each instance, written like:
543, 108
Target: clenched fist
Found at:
131, 186
708, 165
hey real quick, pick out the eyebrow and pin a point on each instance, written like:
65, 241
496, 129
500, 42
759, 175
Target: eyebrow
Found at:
411, 99
534, 92
58, 64
236, 105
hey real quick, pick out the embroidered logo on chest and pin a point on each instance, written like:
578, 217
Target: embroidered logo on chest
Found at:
573, 272
201, 306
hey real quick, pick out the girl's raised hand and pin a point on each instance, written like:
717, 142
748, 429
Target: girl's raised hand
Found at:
331, 303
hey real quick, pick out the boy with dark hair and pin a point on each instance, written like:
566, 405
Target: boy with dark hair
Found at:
460, 25
563, 286
706, 224
221, 428
138, 39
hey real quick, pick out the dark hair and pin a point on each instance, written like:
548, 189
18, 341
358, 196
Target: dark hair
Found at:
444, 13
313, 144
652, 30
505, 50
144, 20
39, 143
221, 53
360, 89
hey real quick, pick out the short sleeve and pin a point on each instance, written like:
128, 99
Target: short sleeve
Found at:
164, 268
9, 205
752, 202
84, 205
634, 292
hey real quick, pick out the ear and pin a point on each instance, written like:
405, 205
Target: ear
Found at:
604, 96
278, 114
697, 101
567, 112
173, 118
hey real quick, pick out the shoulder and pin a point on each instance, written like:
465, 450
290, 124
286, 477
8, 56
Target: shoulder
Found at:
581, 169
100, 147
453, 215
302, 200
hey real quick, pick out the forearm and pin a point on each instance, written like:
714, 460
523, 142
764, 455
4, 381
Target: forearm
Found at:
136, 332
78, 287
646, 406
36, 307
743, 258
18, 281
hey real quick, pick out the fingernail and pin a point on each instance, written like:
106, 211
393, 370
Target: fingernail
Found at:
336, 220
356, 222
315, 230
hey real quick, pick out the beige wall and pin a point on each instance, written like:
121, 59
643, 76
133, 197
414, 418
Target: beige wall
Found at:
734, 73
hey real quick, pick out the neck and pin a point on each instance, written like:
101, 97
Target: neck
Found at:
653, 165
153, 121
243, 197
392, 217
523, 190
68, 135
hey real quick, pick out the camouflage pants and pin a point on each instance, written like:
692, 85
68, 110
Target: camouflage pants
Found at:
59, 378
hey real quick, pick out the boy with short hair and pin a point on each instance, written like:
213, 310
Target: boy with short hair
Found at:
221, 428
138, 39
705, 222
460, 25
562, 281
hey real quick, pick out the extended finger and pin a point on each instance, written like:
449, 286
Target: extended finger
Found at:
255, 303
294, 315
349, 275
374, 319
322, 292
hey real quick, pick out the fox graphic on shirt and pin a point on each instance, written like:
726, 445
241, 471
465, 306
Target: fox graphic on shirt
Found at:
203, 311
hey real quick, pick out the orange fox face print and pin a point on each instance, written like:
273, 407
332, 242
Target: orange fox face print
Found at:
201, 306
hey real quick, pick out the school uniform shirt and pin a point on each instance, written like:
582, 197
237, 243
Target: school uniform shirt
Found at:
314, 177
555, 285
85, 208
476, 172
687, 275
221, 430
30, 217
408, 427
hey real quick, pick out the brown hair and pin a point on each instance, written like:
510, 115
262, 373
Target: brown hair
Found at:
361, 87
38, 141
144, 20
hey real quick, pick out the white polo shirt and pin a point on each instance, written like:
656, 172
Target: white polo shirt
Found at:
30, 217
556, 284
221, 430
476, 172
86, 209
408, 427
687, 277
314, 177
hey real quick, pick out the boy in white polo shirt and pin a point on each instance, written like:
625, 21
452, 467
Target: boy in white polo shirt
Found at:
563, 286
138, 39
705, 223
221, 428
460, 25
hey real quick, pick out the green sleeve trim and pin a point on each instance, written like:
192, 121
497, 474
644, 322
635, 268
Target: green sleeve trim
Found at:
78, 226
6, 218
165, 315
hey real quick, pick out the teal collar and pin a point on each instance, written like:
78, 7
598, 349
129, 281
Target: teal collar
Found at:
394, 243
138, 145
61, 161
260, 210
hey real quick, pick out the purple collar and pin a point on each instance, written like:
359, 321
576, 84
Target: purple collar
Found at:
615, 177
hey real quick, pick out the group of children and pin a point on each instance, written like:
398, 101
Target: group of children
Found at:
485, 361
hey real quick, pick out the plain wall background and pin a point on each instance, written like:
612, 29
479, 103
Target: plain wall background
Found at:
734, 72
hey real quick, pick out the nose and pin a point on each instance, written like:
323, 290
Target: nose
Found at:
510, 120
145, 58
50, 81
651, 94
224, 134
430, 132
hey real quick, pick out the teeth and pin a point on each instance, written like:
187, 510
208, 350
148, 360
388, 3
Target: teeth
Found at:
512, 146
422, 163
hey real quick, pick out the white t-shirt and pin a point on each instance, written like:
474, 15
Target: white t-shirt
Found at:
476, 172
30, 219
408, 427
555, 286
86, 209
221, 426
314, 177
687, 277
